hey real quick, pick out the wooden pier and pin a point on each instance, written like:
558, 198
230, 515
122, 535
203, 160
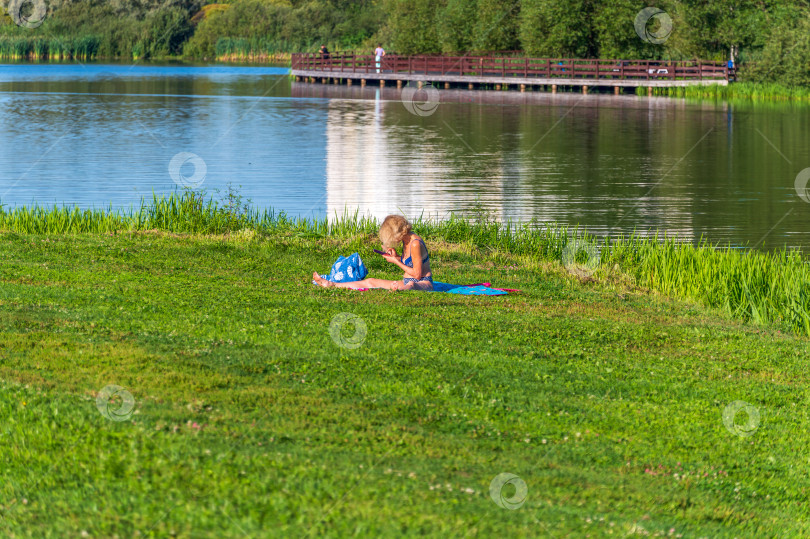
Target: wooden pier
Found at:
503, 72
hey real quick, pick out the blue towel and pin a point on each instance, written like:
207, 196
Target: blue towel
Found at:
347, 269
463, 290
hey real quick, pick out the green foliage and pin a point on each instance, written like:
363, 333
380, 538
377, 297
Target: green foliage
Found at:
771, 39
165, 33
251, 20
707, 30
414, 25
90, 29
457, 34
785, 57
496, 28
615, 34
557, 29
250, 27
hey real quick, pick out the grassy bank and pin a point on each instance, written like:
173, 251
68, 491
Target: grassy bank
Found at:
248, 417
759, 287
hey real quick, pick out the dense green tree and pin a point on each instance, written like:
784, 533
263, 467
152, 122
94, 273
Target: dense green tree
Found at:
414, 25
458, 19
166, 31
708, 29
785, 57
561, 28
496, 28
614, 33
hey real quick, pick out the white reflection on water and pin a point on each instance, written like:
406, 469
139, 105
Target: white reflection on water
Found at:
611, 164
378, 168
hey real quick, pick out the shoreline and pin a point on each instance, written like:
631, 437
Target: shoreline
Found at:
763, 288
742, 91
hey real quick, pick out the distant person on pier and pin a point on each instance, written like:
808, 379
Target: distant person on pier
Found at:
324, 52
379, 52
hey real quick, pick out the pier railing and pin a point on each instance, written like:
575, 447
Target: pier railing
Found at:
500, 66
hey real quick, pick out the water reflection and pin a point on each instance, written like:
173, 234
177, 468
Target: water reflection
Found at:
100, 134
613, 164
382, 161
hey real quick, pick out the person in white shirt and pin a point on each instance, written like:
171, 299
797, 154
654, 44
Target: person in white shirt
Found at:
379, 52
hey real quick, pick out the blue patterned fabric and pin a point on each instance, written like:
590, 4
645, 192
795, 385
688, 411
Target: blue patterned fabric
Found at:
347, 269
475, 291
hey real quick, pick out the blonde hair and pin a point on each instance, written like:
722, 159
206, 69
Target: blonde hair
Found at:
393, 230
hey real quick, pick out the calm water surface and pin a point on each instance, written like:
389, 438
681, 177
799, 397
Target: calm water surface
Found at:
95, 135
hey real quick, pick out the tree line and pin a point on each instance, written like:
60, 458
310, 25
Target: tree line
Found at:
768, 38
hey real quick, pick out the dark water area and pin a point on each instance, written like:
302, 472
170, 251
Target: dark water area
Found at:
96, 135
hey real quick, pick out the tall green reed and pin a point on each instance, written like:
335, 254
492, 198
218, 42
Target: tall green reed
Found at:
739, 90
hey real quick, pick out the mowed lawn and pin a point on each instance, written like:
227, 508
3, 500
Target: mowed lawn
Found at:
249, 418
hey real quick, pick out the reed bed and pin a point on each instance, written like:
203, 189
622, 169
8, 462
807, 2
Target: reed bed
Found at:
738, 90
753, 286
254, 49
19, 47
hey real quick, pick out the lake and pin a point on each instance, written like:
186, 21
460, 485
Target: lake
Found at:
96, 135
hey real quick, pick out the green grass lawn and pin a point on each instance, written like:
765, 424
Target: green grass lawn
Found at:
250, 419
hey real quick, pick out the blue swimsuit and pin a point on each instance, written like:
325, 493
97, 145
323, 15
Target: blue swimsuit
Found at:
409, 262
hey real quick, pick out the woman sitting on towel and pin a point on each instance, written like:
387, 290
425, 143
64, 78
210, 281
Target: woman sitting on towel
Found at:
416, 265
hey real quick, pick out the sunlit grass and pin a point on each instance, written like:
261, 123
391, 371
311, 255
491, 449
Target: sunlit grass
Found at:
251, 420
754, 286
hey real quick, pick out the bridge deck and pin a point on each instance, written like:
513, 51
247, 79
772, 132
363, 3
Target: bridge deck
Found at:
512, 70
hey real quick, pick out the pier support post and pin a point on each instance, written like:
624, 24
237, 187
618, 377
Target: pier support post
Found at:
399, 85
553, 88
382, 83
617, 90
348, 82
584, 90
649, 91
362, 82
446, 85
522, 87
